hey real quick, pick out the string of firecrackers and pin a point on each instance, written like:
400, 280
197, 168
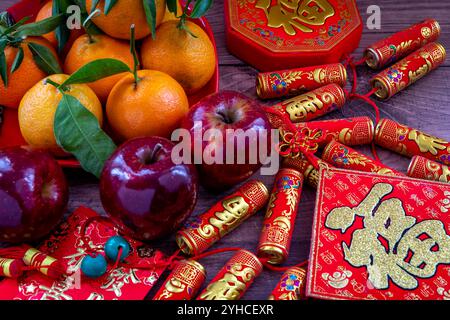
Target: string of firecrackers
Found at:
408, 55
300, 140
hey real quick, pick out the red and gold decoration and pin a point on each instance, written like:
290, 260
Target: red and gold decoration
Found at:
423, 168
314, 104
345, 157
278, 225
411, 142
310, 174
203, 231
291, 285
68, 245
183, 283
11, 268
42, 262
278, 84
408, 71
234, 278
402, 43
379, 237
348, 131
285, 34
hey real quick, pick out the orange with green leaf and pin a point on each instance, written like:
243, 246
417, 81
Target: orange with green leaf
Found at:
117, 16
25, 57
182, 49
145, 103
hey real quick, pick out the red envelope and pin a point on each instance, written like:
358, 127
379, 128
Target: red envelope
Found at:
380, 237
65, 244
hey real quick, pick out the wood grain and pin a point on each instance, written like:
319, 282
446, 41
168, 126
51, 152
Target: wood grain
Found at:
425, 106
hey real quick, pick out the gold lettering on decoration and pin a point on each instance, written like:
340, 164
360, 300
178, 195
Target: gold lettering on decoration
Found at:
229, 287
391, 245
427, 143
172, 286
296, 14
118, 278
235, 209
299, 107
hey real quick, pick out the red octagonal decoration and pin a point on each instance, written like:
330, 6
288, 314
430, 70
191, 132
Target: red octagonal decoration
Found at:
282, 34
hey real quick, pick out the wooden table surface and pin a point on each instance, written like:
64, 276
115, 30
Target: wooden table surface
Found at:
425, 105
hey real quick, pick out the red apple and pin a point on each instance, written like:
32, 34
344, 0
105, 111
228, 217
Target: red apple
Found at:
227, 110
144, 189
33, 194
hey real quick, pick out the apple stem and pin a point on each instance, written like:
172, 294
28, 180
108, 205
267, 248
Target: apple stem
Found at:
155, 152
225, 117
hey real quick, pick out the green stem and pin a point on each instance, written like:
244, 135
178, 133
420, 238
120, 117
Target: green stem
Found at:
92, 15
134, 53
60, 88
53, 83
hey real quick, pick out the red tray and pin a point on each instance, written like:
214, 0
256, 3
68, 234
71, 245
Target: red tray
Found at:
10, 132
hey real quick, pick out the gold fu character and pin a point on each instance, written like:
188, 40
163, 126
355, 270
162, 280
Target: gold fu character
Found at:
391, 245
291, 14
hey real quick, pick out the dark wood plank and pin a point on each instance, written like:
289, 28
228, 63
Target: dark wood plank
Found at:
425, 105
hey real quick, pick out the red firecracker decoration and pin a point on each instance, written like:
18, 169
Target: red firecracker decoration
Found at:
227, 214
349, 131
408, 71
234, 278
378, 237
310, 174
401, 44
183, 283
278, 84
411, 142
44, 263
291, 285
345, 157
278, 225
11, 268
313, 104
423, 168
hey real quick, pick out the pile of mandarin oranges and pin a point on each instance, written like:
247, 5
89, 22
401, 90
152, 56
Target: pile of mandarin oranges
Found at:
172, 64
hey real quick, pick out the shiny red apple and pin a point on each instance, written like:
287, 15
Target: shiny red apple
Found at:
231, 112
33, 194
144, 189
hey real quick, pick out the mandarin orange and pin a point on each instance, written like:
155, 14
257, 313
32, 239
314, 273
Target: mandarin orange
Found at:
154, 106
89, 48
189, 60
124, 14
25, 76
38, 106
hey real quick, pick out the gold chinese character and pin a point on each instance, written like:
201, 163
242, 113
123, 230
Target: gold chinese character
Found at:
391, 245
291, 14
235, 209
229, 287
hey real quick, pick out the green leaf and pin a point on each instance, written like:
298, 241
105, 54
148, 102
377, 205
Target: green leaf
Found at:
17, 60
172, 5
62, 32
78, 132
109, 4
44, 58
39, 28
200, 8
3, 69
96, 70
150, 14
6, 20
15, 26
